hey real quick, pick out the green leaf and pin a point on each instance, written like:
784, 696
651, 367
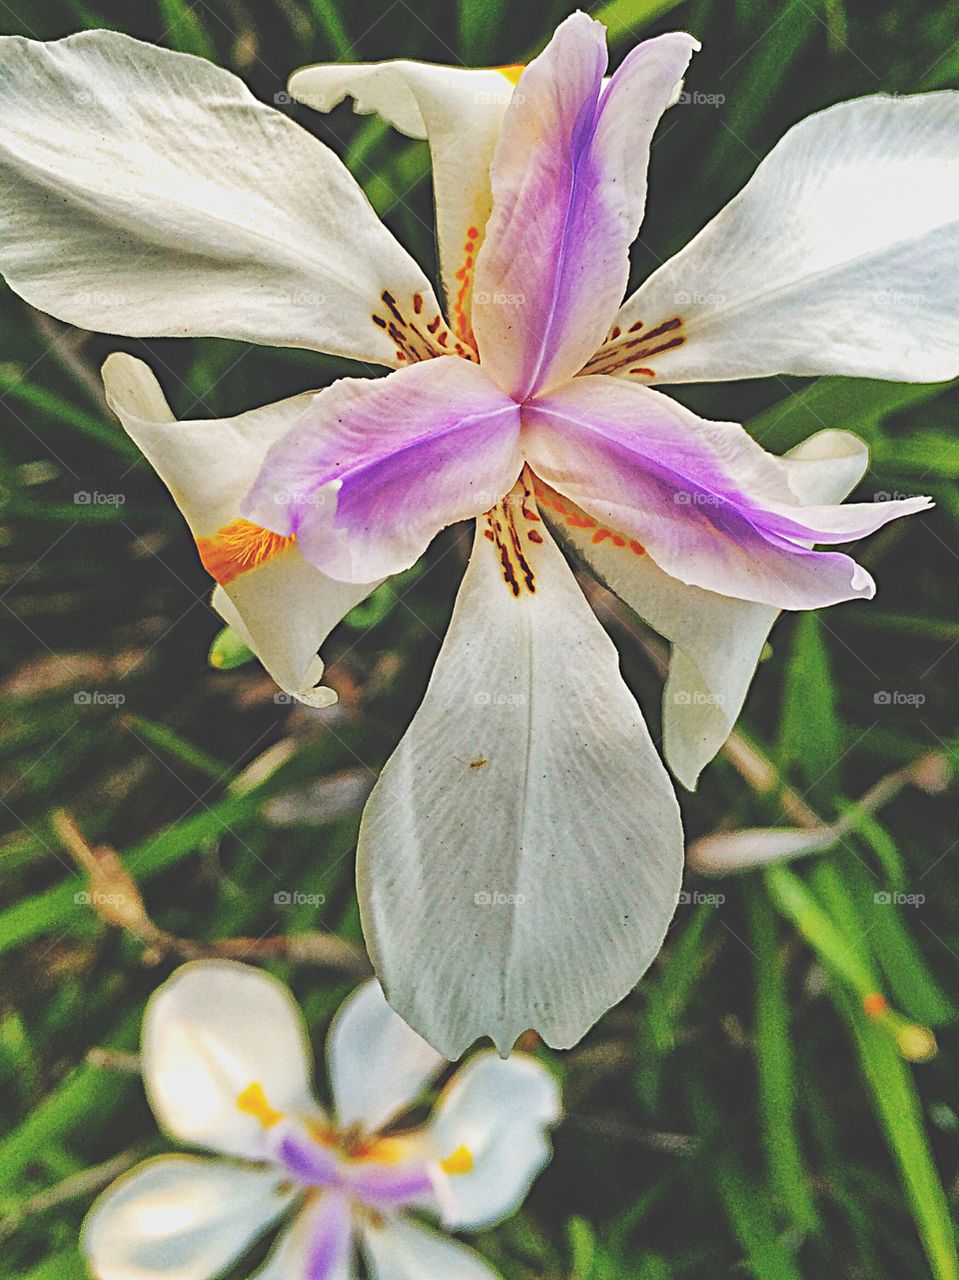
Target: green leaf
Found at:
767, 1256
810, 738
900, 1115
228, 651
184, 30
852, 404
776, 1069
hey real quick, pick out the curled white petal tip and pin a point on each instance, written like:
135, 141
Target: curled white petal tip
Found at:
318, 698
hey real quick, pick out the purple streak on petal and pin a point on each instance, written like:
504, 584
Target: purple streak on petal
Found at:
306, 1161
569, 188
410, 453
388, 1187
707, 503
331, 1234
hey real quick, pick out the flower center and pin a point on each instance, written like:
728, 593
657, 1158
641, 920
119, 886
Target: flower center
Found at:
381, 1173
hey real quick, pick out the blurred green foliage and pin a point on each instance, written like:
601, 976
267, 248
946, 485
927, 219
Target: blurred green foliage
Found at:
740, 1114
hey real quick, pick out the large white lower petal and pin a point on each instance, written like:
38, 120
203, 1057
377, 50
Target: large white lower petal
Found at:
396, 1249
520, 857
225, 1056
489, 1131
459, 110
180, 1218
717, 640
280, 605
838, 256
378, 1066
148, 193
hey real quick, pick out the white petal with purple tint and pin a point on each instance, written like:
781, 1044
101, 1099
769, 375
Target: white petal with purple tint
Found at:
318, 1245
282, 608
376, 468
569, 189
704, 500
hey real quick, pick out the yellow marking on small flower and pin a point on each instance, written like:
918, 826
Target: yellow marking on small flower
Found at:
253, 1102
458, 1161
239, 547
512, 72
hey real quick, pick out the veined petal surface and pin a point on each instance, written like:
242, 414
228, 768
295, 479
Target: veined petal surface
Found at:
569, 189
703, 499
837, 257
716, 640
525, 824
148, 193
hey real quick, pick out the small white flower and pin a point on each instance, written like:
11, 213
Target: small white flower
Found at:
226, 1066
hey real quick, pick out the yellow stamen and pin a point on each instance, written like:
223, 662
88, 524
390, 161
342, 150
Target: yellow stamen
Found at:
512, 73
253, 1102
459, 1161
238, 547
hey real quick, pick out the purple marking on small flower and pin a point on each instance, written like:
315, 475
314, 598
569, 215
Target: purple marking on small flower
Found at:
331, 1234
308, 1162
387, 1187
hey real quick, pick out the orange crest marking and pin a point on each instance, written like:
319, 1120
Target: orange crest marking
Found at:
576, 518
238, 547
506, 524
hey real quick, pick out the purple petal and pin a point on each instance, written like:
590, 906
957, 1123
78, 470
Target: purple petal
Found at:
569, 189
307, 1161
389, 1187
330, 1239
379, 466
710, 506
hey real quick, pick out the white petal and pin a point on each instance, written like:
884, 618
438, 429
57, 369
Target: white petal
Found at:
460, 111
179, 1218
498, 1110
401, 1250
212, 1033
520, 857
317, 1246
148, 193
717, 640
837, 257
283, 608
378, 1066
